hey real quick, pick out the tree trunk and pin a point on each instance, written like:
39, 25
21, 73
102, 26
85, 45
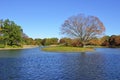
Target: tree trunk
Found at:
83, 43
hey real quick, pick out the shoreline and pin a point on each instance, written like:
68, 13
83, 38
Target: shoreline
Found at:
24, 47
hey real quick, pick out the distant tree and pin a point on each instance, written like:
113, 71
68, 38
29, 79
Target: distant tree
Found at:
43, 42
1, 37
117, 40
76, 43
65, 41
54, 41
38, 41
114, 41
1, 26
12, 33
95, 42
83, 27
29, 41
105, 41
49, 41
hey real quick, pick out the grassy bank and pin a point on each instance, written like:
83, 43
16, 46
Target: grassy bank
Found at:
66, 49
17, 47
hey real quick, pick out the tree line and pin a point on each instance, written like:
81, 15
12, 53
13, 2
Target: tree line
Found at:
105, 41
12, 35
82, 30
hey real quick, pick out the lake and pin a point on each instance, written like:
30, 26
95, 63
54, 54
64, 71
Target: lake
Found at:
34, 64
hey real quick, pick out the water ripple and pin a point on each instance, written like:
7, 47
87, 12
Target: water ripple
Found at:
33, 64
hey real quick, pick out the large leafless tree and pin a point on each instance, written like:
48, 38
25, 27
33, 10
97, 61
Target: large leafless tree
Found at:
83, 27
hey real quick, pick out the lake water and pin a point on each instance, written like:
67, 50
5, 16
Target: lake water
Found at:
34, 64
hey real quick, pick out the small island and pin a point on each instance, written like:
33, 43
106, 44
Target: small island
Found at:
66, 49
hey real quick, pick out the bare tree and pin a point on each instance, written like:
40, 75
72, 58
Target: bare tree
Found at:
83, 27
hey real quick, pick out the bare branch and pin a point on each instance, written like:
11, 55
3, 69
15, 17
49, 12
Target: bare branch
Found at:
83, 27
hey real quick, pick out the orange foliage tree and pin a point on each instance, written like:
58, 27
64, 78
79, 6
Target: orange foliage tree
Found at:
83, 27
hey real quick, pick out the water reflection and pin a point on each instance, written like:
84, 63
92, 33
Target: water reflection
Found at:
10, 53
34, 64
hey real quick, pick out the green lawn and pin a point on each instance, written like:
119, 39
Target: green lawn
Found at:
66, 49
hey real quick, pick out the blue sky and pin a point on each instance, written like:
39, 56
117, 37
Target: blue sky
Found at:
43, 18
